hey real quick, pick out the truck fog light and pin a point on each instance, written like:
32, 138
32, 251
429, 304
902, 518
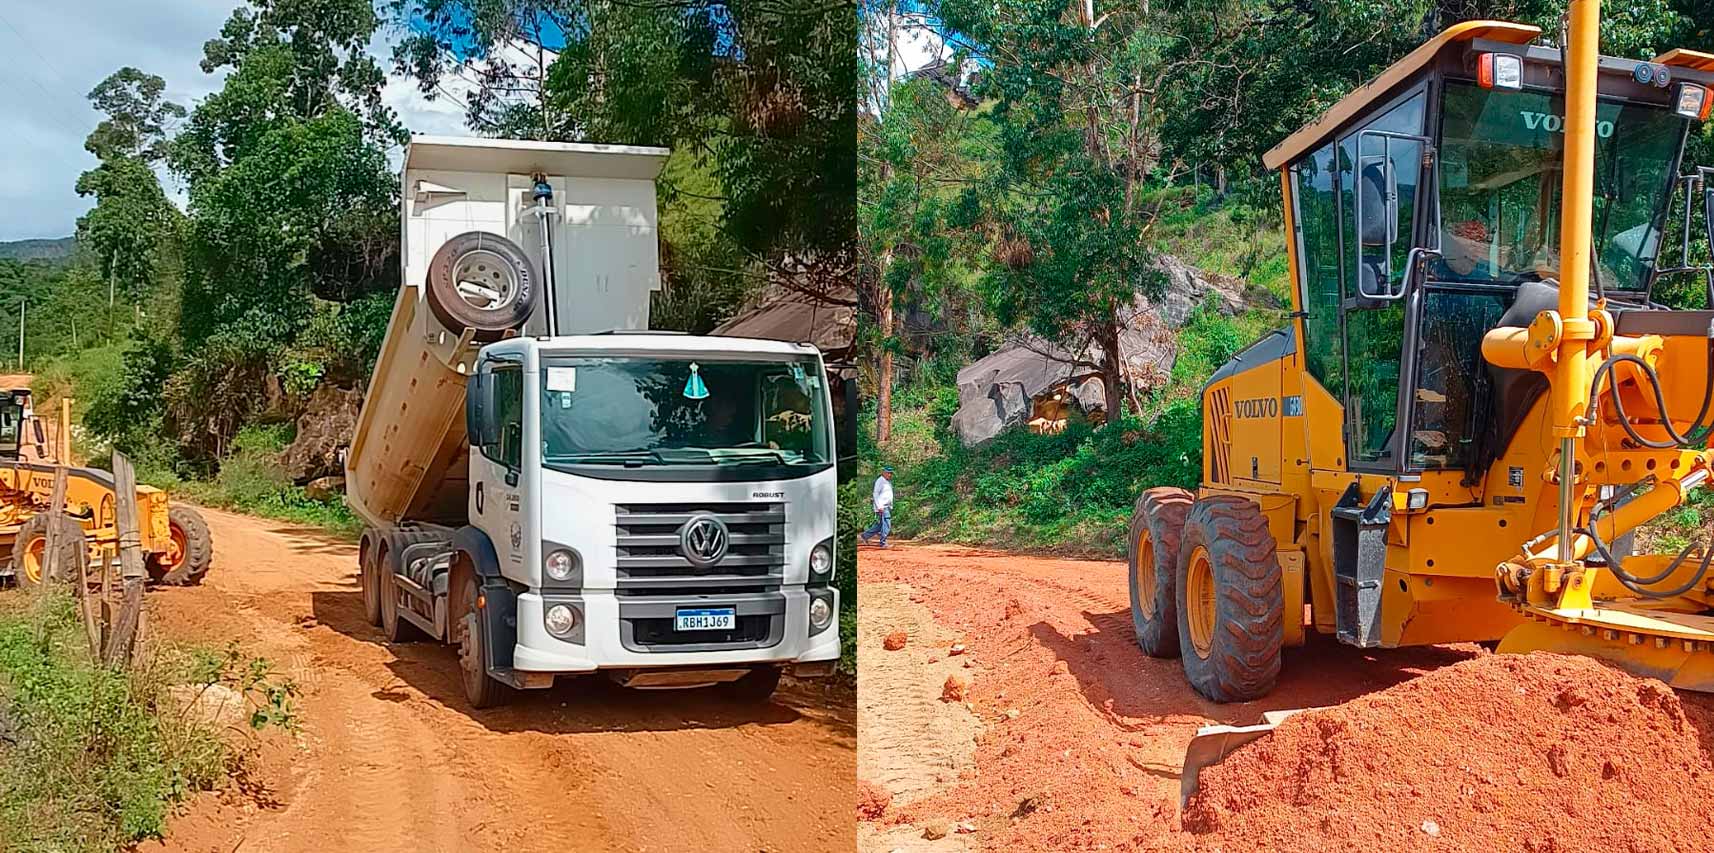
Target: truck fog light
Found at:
820, 611
821, 561
561, 620
560, 565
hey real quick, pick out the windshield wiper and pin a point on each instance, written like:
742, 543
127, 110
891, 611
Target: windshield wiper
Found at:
757, 456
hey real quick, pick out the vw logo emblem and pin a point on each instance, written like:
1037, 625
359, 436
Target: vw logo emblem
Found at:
703, 539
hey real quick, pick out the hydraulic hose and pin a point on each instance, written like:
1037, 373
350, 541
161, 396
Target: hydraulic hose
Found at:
1676, 440
1639, 585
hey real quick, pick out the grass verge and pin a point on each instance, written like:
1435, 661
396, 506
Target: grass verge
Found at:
94, 759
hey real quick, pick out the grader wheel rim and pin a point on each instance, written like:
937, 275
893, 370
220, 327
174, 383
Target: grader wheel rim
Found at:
1145, 569
1199, 601
35, 556
178, 542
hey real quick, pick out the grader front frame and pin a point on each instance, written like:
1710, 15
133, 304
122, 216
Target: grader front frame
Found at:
177, 547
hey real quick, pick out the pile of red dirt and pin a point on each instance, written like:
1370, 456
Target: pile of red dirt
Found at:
1533, 752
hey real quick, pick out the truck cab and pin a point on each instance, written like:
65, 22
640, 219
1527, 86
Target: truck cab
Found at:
670, 491
557, 490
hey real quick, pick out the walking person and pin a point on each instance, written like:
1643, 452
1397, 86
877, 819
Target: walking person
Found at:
883, 501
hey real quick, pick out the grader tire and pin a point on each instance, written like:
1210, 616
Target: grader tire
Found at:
1157, 523
1231, 600
196, 547
30, 552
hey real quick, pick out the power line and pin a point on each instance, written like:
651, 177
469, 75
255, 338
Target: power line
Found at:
75, 126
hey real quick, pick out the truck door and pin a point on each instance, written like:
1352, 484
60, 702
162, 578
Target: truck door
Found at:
496, 469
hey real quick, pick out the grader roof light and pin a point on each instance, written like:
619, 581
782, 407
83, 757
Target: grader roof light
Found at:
1500, 71
1692, 101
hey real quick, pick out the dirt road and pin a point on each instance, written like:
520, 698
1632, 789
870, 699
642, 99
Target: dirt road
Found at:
391, 758
1079, 737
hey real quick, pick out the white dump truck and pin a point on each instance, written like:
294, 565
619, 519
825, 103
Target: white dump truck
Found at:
556, 490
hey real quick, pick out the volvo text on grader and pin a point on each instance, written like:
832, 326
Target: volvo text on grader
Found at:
1477, 398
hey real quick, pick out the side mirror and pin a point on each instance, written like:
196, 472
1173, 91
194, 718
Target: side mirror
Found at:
1377, 205
846, 435
478, 408
512, 451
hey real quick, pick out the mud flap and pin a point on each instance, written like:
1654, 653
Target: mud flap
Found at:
1213, 743
499, 624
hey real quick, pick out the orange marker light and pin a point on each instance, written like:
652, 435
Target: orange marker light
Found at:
1692, 101
1500, 71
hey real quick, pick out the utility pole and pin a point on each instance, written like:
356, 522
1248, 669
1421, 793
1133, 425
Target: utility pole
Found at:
20, 336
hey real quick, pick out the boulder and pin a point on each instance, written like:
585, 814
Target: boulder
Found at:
324, 430
325, 489
998, 391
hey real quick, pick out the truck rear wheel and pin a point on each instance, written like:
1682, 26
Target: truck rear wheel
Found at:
1231, 602
755, 687
1156, 526
480, 689
191, 550
483, 282
30, 549
367, 581
393, 627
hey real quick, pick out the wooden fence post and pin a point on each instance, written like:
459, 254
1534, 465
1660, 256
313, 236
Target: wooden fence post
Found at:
126, 622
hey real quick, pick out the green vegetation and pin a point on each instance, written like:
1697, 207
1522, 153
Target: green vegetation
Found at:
1032, 184
93, 759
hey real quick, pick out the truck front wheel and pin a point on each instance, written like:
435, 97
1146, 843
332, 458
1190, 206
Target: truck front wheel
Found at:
753, 688
480, 689
191, 551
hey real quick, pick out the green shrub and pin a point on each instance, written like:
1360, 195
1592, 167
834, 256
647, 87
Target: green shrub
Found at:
91, 758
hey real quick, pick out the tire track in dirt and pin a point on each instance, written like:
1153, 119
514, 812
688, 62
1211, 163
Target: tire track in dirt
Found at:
391, 758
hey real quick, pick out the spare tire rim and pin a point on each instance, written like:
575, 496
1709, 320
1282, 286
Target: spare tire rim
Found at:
485, 280
1199, 601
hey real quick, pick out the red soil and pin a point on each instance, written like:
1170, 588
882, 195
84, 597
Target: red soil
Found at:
1536, 752
1084, 735
872, 800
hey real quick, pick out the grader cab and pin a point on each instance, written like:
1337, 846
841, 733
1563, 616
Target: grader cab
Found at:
177, 547
1477, 397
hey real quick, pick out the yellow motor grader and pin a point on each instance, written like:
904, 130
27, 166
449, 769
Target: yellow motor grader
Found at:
177, 547
1478, 397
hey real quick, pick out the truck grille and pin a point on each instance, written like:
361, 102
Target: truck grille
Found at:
651, 560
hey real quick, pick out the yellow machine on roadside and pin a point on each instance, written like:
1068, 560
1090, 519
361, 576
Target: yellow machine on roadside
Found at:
177, 547
1477, 399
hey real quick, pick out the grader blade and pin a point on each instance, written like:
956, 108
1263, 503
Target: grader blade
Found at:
1213, 743
1676, 648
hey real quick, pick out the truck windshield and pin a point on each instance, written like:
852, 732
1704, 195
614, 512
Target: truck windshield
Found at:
1500, 181
640, 411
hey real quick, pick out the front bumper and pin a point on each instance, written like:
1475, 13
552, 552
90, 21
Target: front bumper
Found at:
612, 639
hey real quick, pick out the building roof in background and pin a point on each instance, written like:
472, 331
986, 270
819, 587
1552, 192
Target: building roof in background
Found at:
829, 322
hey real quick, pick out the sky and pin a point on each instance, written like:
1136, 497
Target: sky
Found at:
52, 52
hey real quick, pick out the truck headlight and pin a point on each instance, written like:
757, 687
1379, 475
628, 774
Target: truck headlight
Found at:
820, 613
560, 565
561, 620
821, 562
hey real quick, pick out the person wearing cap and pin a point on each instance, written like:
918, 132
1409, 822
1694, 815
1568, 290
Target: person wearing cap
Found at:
882, 498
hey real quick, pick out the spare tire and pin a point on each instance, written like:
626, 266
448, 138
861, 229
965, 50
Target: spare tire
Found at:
483, 282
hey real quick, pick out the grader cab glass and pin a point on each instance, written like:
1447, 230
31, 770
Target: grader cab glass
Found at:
1420, 221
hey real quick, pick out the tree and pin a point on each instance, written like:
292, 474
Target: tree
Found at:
133, 229
293, 205
139, 120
